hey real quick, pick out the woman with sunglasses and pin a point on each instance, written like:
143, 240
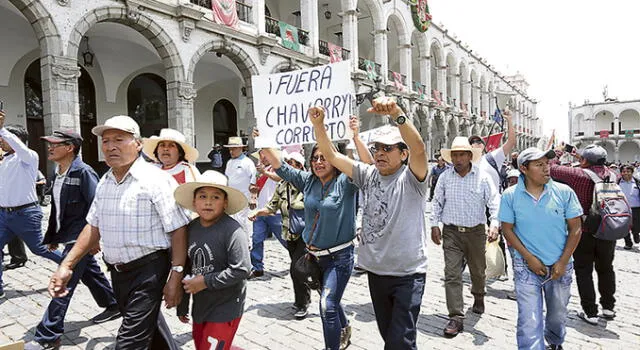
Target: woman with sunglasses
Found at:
329, 199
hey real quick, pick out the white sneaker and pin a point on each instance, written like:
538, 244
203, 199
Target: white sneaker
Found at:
608, 314
590, 320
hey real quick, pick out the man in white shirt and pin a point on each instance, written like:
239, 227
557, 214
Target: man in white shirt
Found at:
631, 188
241, 173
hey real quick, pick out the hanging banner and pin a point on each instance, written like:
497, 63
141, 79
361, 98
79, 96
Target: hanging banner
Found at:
397, 81
289, 35
438, 97
604, 134
628, 134
370, 68
420, 14
224, 12
419, 88
335, 53
281, 103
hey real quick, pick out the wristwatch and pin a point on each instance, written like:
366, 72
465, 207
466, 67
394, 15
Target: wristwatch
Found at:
177, 268
401, 119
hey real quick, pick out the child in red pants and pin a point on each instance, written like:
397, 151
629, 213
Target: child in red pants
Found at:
219, 257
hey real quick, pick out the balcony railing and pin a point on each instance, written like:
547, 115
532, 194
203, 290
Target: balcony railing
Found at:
632, 131
403, 78
363, 66
323, 48
243, 10
578, 133
419, 87
273, 27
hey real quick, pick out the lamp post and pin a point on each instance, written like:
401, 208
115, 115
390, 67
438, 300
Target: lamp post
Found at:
87, 54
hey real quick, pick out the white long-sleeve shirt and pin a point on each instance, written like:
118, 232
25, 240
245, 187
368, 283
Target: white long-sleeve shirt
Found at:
18, 173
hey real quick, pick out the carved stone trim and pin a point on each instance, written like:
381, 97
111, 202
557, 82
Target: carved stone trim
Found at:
65, 72
64, 2
264, 52
186, 27
187, 92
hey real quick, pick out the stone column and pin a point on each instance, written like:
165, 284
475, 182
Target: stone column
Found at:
309, 22
350, 35
442, 82
60, 93
180, 98
380, 49
257, 7
404, 51
425, 74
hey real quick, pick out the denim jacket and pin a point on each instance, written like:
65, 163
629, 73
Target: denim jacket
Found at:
76, 196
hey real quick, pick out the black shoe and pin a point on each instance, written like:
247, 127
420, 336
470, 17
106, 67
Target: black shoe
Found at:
628, 247
453, 328
345, 337
14, 265
636, 237
256, 274
478, 305
554, 347
110, 313
301, 313
34, 345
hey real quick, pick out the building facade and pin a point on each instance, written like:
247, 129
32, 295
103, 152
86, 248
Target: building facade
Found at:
613, 124
71, 64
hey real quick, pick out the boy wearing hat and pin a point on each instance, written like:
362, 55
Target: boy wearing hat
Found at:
535, 215
219, 257
462, 195
73, 188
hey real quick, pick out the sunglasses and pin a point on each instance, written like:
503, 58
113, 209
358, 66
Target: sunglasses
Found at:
477, 142
386, 148
318, 158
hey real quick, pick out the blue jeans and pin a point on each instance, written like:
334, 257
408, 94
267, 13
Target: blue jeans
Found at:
336, 271
533, 327
396, 303
88, 271
261, 228
27, 224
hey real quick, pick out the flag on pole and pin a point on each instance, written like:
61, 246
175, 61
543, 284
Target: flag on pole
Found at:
552, 140
492, 142
497, 116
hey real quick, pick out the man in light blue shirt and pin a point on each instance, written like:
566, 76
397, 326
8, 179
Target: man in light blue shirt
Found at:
630, 186
535, 214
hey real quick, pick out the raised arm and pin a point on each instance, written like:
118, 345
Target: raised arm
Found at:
273, 158
417, 153
22, 151
511, 136
337, 159
361, 148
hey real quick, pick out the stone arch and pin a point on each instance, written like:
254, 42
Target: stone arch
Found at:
140, 22
629, 119
603, 119
375, 8
278, 68
421, 43
397, 20
42, 23
437, 47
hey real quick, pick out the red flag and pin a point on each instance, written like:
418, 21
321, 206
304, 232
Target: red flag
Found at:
224, 12
335, 53
492, 142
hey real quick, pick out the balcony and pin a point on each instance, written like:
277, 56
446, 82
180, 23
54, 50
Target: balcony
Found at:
578, 133
421, 89
273, 27
243, 10
323, 48
363, 66
391, 77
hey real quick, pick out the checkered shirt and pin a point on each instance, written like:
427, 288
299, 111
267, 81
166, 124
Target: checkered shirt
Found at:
579, 181
461, 201
135, 215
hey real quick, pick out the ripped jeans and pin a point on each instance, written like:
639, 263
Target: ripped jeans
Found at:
336, 271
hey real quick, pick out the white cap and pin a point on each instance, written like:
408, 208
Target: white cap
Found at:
389, 135
118, 122
295, 156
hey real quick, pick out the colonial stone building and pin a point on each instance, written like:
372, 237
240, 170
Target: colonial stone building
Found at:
73, 63
613, 124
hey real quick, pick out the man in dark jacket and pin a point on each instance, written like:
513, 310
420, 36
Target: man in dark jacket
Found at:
72, 189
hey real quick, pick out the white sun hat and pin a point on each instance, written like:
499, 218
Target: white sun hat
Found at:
184, 194
149, 145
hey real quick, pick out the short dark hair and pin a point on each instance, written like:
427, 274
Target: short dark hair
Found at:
201, 187
181, 153
341, 149
19, 131
627, 167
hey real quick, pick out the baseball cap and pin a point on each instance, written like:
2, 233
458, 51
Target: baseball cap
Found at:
533, 153
593, 153
513, 173
474, 138
60, 136
119, 122
389, 135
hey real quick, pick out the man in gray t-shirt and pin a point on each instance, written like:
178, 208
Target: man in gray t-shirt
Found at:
393, 241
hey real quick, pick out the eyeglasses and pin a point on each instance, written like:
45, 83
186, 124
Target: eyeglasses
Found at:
386, 148
56, 145
318, 158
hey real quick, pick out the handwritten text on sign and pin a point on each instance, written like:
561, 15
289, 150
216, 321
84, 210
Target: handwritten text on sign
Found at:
281, 103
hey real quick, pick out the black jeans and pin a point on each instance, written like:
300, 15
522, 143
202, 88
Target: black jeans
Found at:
139, 296
17, 251
302, 292
396, 303
599, 253
635, 228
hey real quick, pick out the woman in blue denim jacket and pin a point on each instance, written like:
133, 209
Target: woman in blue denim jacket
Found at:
329, 233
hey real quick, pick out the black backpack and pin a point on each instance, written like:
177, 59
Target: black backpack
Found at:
502, 171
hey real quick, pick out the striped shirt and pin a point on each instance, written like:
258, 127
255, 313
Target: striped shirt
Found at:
135, 215
462, 201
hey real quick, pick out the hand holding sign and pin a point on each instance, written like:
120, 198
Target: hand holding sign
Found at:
316, 114
386, 106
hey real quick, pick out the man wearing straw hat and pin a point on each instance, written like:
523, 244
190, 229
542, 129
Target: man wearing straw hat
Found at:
242, 175
461, 196
143, 232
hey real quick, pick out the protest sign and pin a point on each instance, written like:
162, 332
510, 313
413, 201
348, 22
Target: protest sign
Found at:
281, 103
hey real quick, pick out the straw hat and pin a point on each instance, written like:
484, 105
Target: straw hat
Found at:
210, 178
461, 143
235, 141
150, 144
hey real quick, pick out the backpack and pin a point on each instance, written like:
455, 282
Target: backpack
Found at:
609, 217
502, 172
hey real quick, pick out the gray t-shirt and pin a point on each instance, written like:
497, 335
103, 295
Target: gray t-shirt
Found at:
393, 238
221, 254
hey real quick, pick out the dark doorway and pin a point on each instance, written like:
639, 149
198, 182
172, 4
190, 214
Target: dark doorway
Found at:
87, 102
147, 103
225, 125
34, 112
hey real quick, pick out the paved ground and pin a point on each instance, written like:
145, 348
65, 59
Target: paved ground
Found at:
268, 321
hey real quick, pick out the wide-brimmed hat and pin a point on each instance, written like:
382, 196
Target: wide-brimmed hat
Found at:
149, 145
235, 141
461, 143
118, 122
60, 136
184, 194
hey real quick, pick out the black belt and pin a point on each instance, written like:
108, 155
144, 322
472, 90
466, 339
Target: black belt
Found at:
463, 228
138, 263
12, 209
